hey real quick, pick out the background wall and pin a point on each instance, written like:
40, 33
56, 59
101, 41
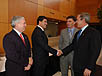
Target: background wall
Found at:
52, 29
89, 6
3, 20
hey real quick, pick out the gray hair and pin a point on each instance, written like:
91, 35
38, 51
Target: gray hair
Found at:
16, 19
85, 16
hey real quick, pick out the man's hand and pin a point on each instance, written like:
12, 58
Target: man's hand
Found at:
27, 67
59, 52
30, 60
87, 72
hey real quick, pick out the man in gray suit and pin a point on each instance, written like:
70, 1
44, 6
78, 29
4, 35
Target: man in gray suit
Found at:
66, 38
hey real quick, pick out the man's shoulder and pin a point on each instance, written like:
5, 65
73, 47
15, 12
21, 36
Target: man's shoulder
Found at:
91, 29
76, 29
64, 30
9, 35
37, 30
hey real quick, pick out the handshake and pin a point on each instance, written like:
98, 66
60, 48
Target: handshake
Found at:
59, 52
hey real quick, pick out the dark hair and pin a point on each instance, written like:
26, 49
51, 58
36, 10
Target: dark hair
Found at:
72, 17
40, 18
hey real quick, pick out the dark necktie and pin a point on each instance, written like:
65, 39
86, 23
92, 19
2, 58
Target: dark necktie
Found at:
22, 38
78, 35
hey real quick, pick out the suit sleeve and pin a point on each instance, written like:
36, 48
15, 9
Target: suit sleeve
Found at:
67, 49
95, 47
70, 48
40, 41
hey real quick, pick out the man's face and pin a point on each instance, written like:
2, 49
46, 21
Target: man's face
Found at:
20, 26
70, 23
43, 23
79, 22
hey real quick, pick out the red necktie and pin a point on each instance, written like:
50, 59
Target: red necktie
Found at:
22, 38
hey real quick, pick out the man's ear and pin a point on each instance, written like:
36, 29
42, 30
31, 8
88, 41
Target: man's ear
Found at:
39, 22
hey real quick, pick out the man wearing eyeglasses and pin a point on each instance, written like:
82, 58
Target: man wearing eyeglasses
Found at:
66, 38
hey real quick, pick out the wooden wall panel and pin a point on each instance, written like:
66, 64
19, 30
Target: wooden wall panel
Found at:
16, 7
41, 2
53, 4
3, 22
4, 11
73, 7
40, 10
65, 6
28, 31
56, 9
68, 7
88, 6
3, 31
23, 8
86, 2
30, 10
100, 1
34, 1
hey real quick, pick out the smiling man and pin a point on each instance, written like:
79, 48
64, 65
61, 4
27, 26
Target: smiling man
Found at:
41, 49
17, 49
86, 45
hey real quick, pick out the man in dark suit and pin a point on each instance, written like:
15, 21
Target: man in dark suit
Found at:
41, 49
17, 49
86, 45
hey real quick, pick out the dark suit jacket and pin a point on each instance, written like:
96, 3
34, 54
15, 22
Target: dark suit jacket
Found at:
86, 49
40, 47
17, 53
40, 50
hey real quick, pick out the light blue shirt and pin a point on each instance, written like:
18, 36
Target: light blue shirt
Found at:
71, 30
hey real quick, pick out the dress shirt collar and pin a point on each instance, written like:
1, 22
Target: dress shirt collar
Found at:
40, 27
71, 30
84, 28
17, 31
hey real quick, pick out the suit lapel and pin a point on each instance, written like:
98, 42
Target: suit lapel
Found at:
43, 33
66, 33
83, 33
18, 37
